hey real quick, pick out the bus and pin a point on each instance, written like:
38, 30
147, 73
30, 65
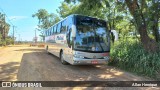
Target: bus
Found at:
79, 40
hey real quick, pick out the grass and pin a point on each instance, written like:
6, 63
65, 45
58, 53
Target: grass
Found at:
130, 55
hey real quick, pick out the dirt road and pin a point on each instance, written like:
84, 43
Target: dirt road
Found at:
24, 63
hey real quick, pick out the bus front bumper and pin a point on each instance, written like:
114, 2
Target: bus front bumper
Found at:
89, 61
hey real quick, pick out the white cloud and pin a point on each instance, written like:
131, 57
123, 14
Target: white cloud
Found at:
17, 17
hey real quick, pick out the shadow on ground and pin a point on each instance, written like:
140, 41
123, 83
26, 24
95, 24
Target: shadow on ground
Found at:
8, 71
18, 45
31, 49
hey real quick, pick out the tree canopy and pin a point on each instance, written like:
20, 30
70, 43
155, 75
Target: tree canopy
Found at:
45, 19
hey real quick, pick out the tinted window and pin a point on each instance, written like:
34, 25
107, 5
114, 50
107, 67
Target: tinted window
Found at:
63, 28
52, 30
49, 32
69, 29
45, 32
70, 20
68, 36
59, 27
84, 21
55, 29
81, 20
91, 35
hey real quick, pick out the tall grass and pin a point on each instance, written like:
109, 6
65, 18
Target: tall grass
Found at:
130, 55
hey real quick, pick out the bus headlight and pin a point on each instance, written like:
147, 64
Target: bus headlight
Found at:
106, 57
78, 56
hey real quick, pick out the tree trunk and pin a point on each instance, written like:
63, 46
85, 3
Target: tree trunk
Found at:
155, 17
149, 44
110, 26
156, 31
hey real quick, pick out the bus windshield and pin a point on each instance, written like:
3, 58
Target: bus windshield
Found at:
91, 35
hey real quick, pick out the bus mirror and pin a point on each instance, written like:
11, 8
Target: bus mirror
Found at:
114, 34
73, 33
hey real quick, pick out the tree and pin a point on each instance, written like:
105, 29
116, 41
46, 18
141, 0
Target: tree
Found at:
9, 40
65, 9
45, 20
154, 13
138, 10
4, 27
0, 39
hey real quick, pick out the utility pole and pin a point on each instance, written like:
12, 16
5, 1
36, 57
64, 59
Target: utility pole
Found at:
35, 37
19, 38
4, 27
13, 34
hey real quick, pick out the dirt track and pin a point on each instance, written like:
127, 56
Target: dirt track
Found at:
24, 63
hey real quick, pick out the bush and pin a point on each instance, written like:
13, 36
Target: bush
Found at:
2, 43
9, 41
131, 56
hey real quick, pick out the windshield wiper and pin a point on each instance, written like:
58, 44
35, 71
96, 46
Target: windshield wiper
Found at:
98, 41
101, 46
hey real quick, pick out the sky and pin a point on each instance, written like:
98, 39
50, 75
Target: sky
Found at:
19, 13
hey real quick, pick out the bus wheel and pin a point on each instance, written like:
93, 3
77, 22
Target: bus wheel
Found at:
62, 59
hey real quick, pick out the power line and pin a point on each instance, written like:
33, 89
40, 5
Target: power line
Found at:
10, 23
6, 16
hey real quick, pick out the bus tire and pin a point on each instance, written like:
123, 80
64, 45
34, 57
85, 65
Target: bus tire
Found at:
62, 59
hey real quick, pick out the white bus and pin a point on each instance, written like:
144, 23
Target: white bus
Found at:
79, 40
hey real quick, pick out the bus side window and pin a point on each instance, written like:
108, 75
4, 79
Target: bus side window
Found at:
49, 32
63, 27
58, 27
45, 32
52, 30
68, 36
55, 29
69, 30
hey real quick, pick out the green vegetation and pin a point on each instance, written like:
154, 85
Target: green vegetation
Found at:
45, 20
4, 29
129, 54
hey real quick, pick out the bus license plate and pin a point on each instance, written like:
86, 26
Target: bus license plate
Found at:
94, 62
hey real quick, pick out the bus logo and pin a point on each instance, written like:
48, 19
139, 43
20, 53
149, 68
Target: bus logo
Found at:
94, 57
